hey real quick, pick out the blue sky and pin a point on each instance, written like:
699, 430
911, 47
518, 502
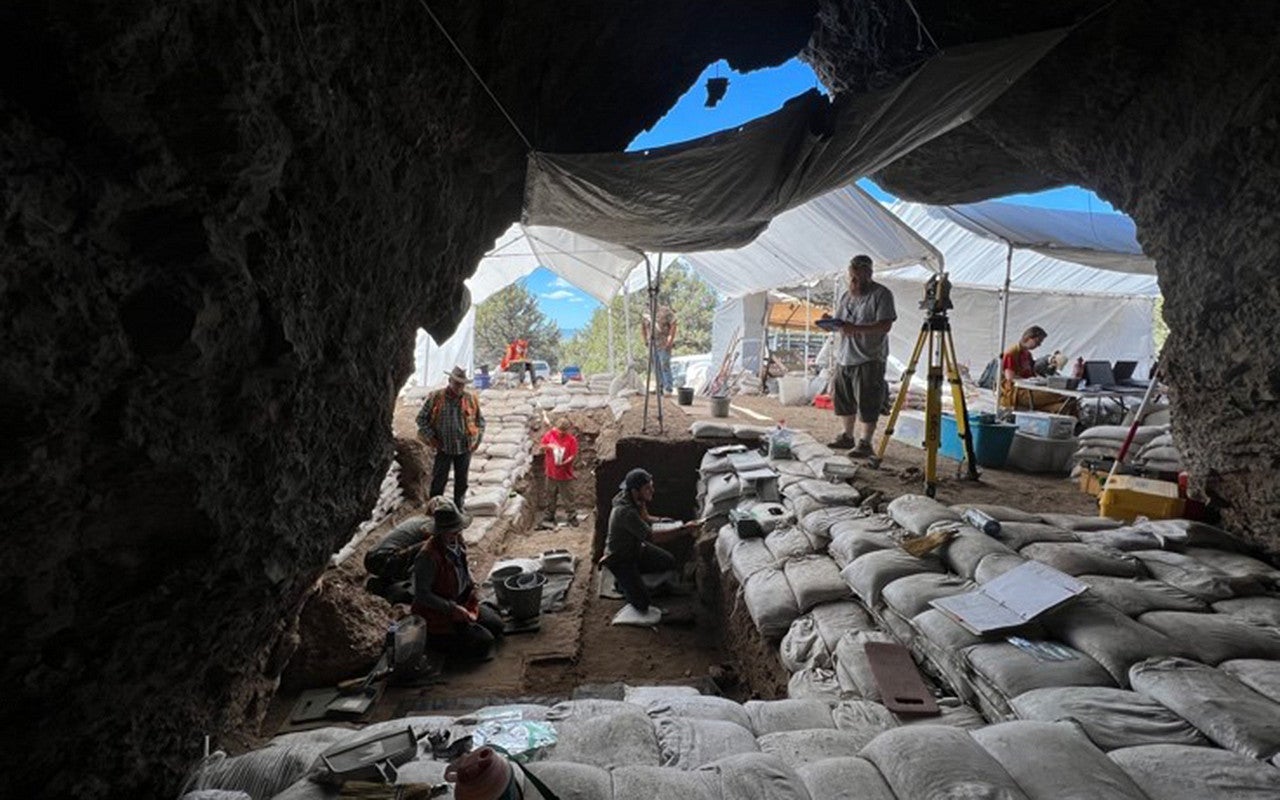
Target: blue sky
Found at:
750, 95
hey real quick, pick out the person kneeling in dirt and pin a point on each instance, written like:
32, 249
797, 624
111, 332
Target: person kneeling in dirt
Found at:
560, 451
444, 593
629, 550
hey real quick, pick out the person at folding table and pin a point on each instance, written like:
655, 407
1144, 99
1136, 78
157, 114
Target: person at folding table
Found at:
560, 453
1018, 363
864, 313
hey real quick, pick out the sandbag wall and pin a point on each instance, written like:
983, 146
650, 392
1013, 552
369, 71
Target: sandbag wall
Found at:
1152, 448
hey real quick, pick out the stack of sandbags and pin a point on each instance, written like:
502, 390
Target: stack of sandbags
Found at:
600, 382
1103, 442
1160, 455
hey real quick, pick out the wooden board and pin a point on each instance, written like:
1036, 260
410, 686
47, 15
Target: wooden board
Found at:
902, 689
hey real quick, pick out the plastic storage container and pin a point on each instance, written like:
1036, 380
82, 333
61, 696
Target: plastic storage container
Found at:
1042, 454
793, 391
909, 429
1125, 498
991, 440
481, 380
1050, 426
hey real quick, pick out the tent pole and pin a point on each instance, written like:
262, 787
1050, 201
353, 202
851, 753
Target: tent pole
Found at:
657, 286
808, 320
626, 324
1004, 321
608, 310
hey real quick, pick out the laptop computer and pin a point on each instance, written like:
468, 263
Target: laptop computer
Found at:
1098, 373
1123, 373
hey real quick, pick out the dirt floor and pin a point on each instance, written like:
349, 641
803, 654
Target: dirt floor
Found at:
577, 646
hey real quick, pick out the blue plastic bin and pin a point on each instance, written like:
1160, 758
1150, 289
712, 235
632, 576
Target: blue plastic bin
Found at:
991, 440
480, 380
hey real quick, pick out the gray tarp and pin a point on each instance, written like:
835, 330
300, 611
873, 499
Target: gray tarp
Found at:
721, 191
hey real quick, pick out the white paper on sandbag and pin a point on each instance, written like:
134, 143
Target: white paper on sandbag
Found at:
685, 743
1111, 718
868, 574
750, 557
844, 778
1178, 772
1109, 637
607, 741
815, 579
1260, 675
936, 761
802, 646
1226, 711
1055, 761
770, 602
701, 706
1254, 610
910, 594
756, 776
814, 683
1084, 559
797, 748
853, 669
1018, 535
570, 781
833, 620
775, 716
1214, 638
918, 513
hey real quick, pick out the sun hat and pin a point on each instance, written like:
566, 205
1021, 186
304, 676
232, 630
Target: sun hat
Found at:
458, 374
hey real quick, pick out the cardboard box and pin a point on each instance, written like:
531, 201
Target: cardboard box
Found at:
1126, 498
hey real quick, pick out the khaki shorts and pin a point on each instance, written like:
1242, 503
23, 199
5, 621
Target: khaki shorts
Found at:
860, 390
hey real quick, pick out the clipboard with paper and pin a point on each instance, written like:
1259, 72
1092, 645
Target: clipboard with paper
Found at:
1011, 600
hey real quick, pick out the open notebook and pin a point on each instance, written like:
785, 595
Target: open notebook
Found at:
1015, 598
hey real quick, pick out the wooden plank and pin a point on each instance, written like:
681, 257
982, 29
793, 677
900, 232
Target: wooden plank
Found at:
902, 689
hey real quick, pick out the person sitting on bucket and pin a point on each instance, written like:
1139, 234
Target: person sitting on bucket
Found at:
629, 550
445, 595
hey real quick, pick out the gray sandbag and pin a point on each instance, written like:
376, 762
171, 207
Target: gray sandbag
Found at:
1018, 535
787, 466
1180, 533
1085, 559
749, 557
1254, 610
853, 670
802, 646
802, 505
1004, 671
918, 513
1214, 638
815, 579
856, 715
770, 602
1081, 522
710, 429
844, 778
897, 624
1109, 637
1237, 565
703, 706
1260, 675
1111, 718
797, 748
266, 771
833, 620
726, 541
592, 708
685, 743
1123, 539
645, 696
953, 712
1134, 596
788, 542
571, 781
755, 776
775, 716
1178, 772
607, 741
993, 565
847, 543
1055, 761
649, 782
818, 523
942, 641
1195, 577
935, 761
714, 463
968, 548
831, 494
869, 574
910, 594
1229, 713
814, 683
1000, 513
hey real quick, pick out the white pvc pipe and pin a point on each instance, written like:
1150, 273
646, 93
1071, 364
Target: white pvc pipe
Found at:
608, 310
1004, 322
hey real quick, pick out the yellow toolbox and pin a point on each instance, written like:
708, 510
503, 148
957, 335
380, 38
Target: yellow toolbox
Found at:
1125, 497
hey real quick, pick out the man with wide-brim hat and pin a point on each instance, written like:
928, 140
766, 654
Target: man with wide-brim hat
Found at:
445, 595
450, 423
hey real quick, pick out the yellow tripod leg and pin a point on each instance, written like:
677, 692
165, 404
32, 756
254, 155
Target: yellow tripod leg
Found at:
900, 402
959, 404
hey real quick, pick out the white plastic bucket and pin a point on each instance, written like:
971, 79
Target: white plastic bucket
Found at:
793, 391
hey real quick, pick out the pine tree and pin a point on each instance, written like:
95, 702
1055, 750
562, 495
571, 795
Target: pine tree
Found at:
511, 314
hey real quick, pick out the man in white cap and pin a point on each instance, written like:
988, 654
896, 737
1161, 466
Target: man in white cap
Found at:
450, 423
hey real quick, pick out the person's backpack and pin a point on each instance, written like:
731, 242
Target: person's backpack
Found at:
990, 375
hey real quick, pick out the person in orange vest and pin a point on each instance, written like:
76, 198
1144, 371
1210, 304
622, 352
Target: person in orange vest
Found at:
445, 595
450, 423
517, 356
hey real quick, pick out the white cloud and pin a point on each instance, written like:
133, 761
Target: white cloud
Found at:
576, 299
561, 283
559, 294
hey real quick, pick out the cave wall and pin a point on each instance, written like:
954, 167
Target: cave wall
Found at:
1171, 112
223, 222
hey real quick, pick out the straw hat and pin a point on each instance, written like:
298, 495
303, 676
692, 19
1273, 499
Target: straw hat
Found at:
458, 374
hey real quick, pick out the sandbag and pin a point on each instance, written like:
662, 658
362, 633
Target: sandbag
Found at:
1000, 513
831, 494
1111, 718
803, 504
797, 748
701, 706
1055, 761
685, 743
818, 523
815, 579
1229, 713
857, 714
993, 565
802, 646
1180, 533
1214, 638
943, 641
853, 669
855, 538
571, 781
1008, 672
1109, 637
814, 683
833, 620
648, 782
1254, 610
648, 695
607, 741
1123, 539
808, 451
486, 502
786, 466
844, 778
749, 557
266, 771
1135, 596
1081, 522
589, 709
1018, 535
952, 712
726, 540
755, 776
1194, 577
910, 594
1237, 565
968, 548
776, 716
935, 761
711, 429
1178, 772
868, 574
1260, 675
1085, 559
714, 463
918, 513
770, 602
789, 542
751, 433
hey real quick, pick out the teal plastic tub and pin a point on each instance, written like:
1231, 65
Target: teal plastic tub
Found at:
991, 440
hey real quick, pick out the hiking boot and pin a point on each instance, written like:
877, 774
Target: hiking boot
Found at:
862, 450
843, 441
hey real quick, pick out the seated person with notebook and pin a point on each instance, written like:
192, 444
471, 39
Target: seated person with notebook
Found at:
629, 549
1019, 364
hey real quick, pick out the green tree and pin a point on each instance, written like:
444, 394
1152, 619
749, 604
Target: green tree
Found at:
692, 300
511, 314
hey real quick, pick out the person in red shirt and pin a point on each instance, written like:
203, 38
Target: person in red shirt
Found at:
1017, 364
559, 454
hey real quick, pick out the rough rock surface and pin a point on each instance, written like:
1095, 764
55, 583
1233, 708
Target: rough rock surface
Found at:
224, 221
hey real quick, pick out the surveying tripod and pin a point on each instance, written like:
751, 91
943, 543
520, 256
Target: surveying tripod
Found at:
935, 339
